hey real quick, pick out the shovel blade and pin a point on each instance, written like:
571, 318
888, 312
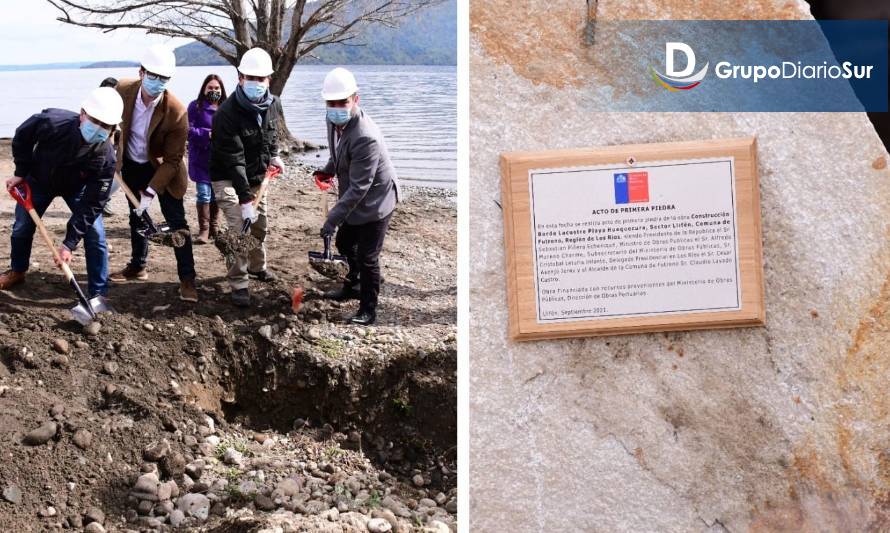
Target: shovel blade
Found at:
147, 231
81, 314
335, 268
319, 256
98, 304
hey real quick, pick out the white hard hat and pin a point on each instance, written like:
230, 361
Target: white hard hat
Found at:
339, 84
159, 60
105, 105
256, 62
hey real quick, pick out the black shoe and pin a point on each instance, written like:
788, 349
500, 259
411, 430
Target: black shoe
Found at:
263, 275
342, 294
363, 318
241, 298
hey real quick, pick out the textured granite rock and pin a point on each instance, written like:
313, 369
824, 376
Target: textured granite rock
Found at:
778, 428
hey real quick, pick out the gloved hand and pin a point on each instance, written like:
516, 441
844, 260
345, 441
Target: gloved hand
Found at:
145, 200
277, 162
323, 181
248, 212
64, 255
327, 230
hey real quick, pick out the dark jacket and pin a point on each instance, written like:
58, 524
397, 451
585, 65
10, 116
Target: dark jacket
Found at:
167, 133
369, 188
241, 149
45, 151
200, 120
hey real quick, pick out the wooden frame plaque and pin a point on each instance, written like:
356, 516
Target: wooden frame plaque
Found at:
633, 238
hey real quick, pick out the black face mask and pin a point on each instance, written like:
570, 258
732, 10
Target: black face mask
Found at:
214, 96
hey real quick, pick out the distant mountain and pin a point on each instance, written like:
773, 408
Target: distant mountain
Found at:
425, 38
68, 66
112, 64
43, 66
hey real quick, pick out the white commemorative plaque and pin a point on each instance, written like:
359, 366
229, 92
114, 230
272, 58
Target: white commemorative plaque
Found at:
633, 238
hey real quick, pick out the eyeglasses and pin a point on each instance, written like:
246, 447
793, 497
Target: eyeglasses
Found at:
153, 77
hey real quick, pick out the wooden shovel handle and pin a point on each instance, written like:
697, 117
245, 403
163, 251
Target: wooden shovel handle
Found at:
130, 196
261, 192
49, 242
271, 172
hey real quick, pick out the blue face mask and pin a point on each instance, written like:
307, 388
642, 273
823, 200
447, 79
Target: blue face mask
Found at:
153, 87
338, 115
254, 90
92, 133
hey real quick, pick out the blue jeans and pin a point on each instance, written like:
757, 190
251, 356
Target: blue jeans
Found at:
203, 193
96, 250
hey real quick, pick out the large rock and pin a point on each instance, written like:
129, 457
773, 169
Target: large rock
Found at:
41, 435
146, 487
783, 427
196, 505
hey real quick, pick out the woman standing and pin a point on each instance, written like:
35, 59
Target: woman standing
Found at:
213, 93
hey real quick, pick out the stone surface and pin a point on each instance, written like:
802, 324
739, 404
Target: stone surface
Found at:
83, 439
41, 435
12, 494
94, 527
764, 429
196, 505
93, 514
379, 525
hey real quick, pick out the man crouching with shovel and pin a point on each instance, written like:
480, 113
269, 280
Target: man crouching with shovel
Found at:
243, 145
59, 153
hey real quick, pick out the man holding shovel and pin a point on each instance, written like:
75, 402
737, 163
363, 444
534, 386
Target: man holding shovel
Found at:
150, 159
64, 154
368, 188
243, 145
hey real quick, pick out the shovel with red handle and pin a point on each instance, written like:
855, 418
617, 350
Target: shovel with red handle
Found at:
235, 242
271, 173
326, 263
86, 311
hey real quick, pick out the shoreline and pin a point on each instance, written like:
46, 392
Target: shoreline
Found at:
295, 158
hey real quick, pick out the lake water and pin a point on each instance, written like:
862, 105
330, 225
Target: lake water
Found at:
415, 106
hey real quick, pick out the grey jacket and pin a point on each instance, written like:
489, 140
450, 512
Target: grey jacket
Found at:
369, 188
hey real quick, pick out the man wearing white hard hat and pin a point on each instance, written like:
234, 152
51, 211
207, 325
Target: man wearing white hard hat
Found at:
61, 153
243, 145
368, 189
151, 161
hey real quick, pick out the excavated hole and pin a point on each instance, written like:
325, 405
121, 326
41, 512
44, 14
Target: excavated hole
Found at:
403, 408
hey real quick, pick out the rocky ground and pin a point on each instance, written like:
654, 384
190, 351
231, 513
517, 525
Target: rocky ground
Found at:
210, 418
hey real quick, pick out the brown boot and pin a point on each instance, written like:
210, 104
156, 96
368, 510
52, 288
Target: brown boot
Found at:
203, 236
10, 279
187, 291
129, 273
214, 220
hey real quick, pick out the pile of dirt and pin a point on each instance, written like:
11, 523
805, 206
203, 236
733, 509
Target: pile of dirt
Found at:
210, 417
232, 243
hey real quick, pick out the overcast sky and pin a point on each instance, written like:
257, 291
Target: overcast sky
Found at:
30, 34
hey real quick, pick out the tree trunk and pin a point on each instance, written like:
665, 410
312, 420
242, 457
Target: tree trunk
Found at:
287, 140
288, 143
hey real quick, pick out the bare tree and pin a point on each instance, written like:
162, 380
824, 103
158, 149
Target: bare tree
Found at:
288, 29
